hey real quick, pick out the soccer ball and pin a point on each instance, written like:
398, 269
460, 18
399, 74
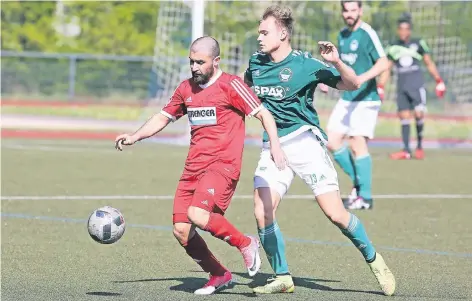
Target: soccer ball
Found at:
106, 225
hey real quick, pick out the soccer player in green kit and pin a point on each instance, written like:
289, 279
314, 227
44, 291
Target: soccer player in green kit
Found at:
285, 79
355, 115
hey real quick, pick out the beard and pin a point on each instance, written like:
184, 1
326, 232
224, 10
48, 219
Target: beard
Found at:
202, 78
350, 22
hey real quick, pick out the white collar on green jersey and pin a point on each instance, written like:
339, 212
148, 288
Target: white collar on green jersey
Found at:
210, 82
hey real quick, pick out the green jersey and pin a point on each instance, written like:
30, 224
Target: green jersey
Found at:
286, 89
360, 49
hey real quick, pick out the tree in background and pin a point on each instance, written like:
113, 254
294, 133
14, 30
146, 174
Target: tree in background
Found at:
119, 28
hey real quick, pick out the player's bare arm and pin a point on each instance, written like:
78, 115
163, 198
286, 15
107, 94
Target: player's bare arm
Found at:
385, 76
381, 65
431, 66
269, 125
154, 125
349, 79
383, 79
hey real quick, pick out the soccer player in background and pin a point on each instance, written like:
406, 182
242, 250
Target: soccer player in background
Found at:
216, 104
285, 79
406, 54
355, 115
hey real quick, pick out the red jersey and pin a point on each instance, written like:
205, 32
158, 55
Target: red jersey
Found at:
216, 113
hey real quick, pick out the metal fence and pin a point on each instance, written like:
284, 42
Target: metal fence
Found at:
86, 77
77, 77
133, 80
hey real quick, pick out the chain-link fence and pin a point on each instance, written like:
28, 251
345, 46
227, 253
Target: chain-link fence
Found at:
77, 77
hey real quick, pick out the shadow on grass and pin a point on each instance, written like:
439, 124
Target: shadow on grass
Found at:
106, 294
190, 284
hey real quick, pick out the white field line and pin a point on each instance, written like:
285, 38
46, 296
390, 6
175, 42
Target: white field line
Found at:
171, 197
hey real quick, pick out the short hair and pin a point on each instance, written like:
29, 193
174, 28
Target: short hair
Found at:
405, 18
209, 43
283, 17
359, 3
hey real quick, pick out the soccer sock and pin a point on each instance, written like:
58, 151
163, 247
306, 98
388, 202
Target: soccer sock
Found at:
356, 233
364, 171
198, 250
344, 158
221, 228
274, 245
406, 134
419, 131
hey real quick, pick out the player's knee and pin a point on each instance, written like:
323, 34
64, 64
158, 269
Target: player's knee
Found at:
340, 217
198, 216
181, 232
419, 116
404, 114
358, 146
332, 147
264, 211
335, 142
263, 214
405, 121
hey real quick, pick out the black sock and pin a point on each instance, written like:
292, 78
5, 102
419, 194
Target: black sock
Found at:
406, 134
419, 132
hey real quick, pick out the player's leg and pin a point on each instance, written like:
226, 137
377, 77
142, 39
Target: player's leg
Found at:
420, 109
352, 227
211, 199
270, 185
317, 170
404, 108
338, 125
194, 244
363, 122
342, 155
363, 164
197, 249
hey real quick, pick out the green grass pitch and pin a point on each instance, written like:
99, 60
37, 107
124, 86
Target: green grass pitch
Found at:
420, 224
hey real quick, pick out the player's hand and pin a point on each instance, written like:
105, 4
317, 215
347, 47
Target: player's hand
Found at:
124, 139
440, 88
328, 52
279, 157
323, 88
381, 91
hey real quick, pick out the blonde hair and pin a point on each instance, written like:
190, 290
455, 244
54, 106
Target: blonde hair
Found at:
282, 16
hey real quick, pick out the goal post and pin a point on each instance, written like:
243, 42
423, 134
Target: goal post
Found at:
198, 18
170, 63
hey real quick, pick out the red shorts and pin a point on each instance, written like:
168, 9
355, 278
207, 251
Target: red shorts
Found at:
210, 190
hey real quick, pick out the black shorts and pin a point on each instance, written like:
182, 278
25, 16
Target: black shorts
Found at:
411, 99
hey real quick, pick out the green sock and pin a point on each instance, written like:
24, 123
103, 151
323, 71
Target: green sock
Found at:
273, 243
364, 173
356, 233
344, 158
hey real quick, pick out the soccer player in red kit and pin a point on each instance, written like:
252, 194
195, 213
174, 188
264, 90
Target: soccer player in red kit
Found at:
216, 104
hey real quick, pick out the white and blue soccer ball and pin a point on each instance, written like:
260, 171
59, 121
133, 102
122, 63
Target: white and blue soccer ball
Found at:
106, 225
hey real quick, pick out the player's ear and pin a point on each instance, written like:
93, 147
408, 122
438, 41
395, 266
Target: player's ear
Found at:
283, 34
216, 61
